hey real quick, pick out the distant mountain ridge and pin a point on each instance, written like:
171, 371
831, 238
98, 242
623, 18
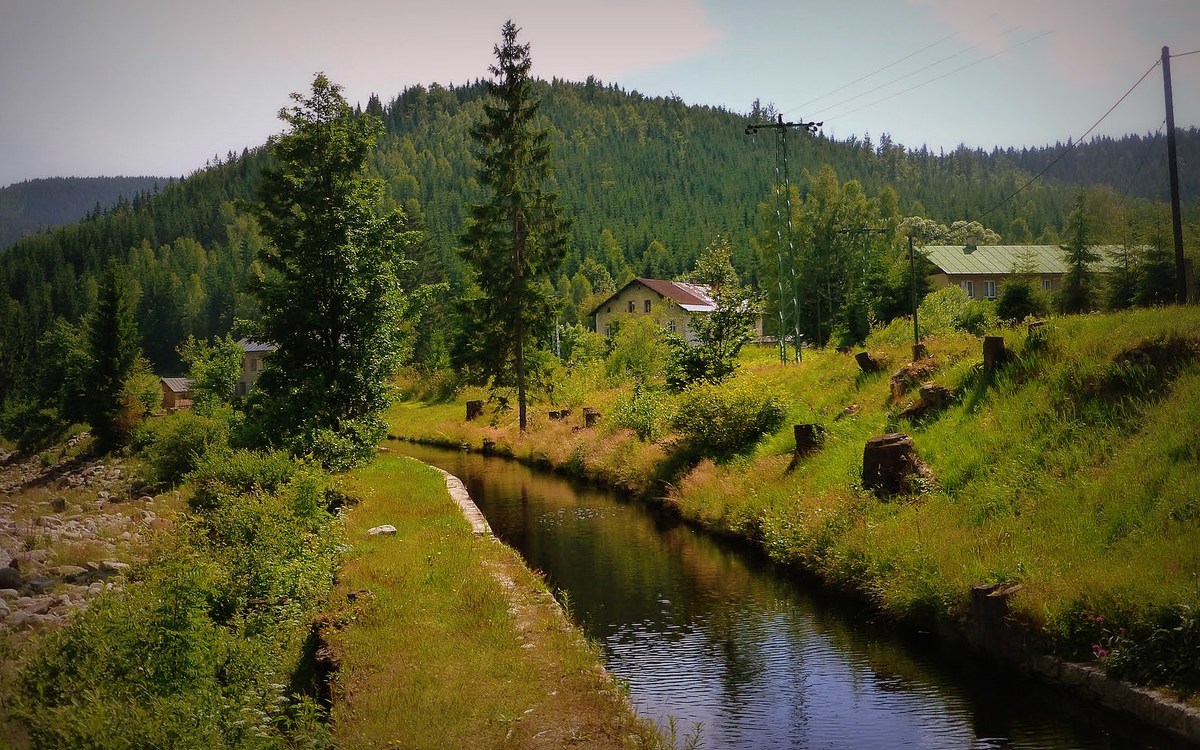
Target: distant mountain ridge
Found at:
35, 205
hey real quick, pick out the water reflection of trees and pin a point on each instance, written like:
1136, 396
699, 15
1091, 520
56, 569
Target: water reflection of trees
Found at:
735, 628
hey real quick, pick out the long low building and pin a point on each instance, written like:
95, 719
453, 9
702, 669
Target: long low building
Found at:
980, 270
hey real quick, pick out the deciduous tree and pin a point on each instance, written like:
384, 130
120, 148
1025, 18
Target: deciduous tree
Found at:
330, 297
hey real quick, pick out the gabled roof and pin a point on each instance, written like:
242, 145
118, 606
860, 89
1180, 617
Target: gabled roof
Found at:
691, 297
1001, 259
177, 385
250, 345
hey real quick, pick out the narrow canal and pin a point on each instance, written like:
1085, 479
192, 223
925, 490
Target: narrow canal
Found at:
706, 633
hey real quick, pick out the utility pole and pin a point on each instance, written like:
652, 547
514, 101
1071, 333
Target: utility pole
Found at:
781, 170
918, 351
1173, 168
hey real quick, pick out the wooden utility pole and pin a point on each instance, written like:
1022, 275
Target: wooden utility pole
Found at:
1173, 168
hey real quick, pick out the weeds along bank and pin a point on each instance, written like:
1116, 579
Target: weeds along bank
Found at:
1072, 470
207, 643
449, 641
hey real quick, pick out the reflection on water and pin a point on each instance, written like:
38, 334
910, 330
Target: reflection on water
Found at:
706, 633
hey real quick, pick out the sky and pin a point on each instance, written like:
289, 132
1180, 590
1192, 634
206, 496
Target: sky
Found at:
157, 87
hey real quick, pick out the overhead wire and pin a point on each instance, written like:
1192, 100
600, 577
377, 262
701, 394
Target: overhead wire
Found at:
944, 75
878, 70
1072, 145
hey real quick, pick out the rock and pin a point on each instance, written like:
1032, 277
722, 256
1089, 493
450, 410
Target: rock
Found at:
69, 572
145, 499
10, 577
114, 566
17, 619
40, 606
40, 584
9, 594
4, 610
58, 504
849, 411
387, 528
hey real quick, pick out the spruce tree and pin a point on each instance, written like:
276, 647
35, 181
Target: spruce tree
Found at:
517, 236
331, 298
1077, 292
113, 344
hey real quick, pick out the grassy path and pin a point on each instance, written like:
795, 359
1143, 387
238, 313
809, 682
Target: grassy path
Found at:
448, 640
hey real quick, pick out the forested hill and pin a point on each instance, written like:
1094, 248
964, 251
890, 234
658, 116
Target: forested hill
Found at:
1134, 164
34, 205
649, 182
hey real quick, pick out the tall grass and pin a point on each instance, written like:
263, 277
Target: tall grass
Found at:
1072, 470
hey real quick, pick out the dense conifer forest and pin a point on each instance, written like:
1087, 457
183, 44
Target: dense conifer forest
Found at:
648, 183
36, 205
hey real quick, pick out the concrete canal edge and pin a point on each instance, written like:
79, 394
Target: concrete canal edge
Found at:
458, 493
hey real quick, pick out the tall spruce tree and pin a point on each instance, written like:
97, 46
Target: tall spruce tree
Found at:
517, 237
113, 345
331, 298
1077, 289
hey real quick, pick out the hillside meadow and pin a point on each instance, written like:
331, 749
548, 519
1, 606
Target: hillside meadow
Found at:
1070, 470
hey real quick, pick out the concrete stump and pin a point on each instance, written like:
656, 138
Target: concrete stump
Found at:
918, 352
994, 353
987, 625
809, 437
889, 461
474, 409
590, 416
935, 397
867, 363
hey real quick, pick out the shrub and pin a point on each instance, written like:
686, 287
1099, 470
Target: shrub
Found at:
950, 309
647, 412
176, 444
1019, 300
220, 476
721, 421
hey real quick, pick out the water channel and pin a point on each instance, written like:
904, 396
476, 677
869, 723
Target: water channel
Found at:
708, 633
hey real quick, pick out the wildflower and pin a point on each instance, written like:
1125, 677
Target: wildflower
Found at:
1100, 651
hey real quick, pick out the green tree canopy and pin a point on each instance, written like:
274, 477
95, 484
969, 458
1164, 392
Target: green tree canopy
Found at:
330, 294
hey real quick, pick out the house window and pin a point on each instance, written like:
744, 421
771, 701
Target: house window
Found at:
632, 306
608, 309
671, 326
1047, 285
969, 288
989, 289
647, 305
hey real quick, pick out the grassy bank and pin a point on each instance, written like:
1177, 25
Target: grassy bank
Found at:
447, 640
1071, 470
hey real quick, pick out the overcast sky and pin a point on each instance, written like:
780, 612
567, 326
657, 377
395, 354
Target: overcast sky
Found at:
155, 87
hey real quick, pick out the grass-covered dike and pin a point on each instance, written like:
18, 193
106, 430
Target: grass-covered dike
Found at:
1071, 470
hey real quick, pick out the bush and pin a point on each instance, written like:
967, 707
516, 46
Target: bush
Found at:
223, 476
647, 412
950, 309
176, 444
202, 648
721, 421
1019, 300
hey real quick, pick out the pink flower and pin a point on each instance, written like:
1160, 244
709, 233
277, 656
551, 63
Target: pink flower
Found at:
1099, 651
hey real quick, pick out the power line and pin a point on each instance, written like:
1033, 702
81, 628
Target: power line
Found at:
1073, 144
1185, 54
895, 80
944, 75
880, 69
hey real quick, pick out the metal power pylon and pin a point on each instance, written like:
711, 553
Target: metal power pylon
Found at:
781, 177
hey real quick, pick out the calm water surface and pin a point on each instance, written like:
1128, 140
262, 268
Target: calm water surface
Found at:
706, 633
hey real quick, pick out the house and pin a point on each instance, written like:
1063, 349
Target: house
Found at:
675, 303
177, 393
253, 357
981, 269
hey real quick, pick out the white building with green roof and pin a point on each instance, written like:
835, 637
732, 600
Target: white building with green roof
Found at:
981, 269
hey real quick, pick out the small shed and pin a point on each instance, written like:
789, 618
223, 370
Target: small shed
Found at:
177, 393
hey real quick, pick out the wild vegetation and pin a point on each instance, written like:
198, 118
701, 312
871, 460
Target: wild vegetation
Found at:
1068, 470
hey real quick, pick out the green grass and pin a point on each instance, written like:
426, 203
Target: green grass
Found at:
1073, 470
452, 642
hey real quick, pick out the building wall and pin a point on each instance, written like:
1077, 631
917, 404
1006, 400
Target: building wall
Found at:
979, 282
638, 295
252, 366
